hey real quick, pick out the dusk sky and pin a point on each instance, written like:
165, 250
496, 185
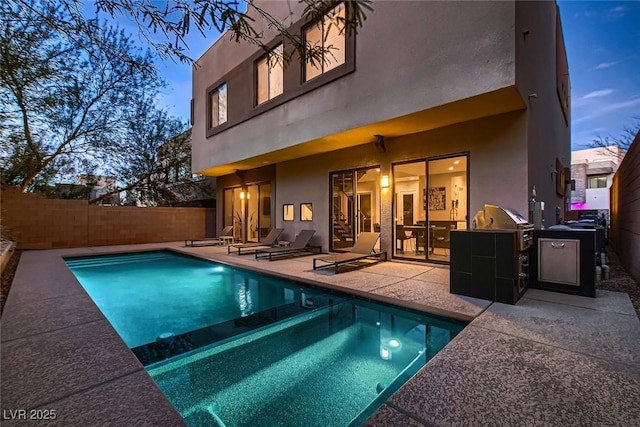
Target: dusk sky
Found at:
603, 48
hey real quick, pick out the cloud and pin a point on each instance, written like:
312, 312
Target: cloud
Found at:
617, 12
603, 110
597, 94
604, 65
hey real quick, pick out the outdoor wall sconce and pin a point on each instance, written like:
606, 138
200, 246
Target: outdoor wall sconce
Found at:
384, 181
379, 143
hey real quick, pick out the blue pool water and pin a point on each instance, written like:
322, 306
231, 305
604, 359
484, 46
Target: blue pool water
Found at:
147, 294
235, 348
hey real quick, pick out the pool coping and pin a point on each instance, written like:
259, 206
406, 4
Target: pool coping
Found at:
59, 353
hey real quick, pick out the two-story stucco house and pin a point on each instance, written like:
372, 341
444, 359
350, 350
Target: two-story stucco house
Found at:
430, 111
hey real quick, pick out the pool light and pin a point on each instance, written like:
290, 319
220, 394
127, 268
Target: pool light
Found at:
394, 343
385, 354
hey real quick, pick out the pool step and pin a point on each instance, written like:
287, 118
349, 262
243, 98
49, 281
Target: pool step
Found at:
173, 346
107, 260
276, 353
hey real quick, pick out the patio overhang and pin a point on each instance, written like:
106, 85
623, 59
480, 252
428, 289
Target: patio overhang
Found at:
485, 105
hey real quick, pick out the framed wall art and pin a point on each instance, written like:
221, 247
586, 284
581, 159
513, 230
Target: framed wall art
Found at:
437, 198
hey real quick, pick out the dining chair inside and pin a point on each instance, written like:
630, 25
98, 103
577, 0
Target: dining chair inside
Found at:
402, 236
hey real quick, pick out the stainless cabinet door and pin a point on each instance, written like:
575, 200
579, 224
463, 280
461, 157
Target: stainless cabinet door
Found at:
559, 261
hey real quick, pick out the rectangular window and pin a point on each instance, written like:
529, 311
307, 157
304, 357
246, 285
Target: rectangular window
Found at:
287, 212
218, 106
306, 212
269, 75
329, 35
599, 181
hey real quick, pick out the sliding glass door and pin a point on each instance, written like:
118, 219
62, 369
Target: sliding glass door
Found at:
355, 205
447, 203
430, 201
248, 210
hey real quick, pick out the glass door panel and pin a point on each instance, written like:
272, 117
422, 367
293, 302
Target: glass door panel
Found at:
248, 211
410, 212
228, 208
264, 219
365, 213
343, 226
253, 214
447, 203
233, 211
355, 205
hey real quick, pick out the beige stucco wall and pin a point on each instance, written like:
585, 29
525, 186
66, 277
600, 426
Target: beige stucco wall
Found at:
410, 56
497, 171
548, 134
39, 223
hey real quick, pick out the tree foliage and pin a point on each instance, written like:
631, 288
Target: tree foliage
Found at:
622, 142
78, 97
73, 106
166, 24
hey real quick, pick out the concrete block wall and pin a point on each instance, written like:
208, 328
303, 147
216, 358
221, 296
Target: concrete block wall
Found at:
625, 210
40, 223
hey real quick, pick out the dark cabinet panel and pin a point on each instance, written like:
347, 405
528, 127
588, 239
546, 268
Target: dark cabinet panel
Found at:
483, 244
483, 277
485, 264
506, 290
459, 282
505, 261
461, 258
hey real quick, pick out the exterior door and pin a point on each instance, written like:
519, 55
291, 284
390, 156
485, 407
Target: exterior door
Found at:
364, 207
248, 210
355, 205
447, 203
430, 200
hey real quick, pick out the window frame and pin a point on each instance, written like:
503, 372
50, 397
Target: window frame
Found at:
216, 93
597, 178
269, 58
345, 48
240, 80
288, 212
306, 211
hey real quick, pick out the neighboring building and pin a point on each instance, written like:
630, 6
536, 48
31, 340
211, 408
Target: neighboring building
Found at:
432, 110
100, 185
593, 170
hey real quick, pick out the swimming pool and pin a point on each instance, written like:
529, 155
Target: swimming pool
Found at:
232, 347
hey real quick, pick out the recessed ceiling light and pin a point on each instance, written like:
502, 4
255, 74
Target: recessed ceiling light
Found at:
450, 168
456, 162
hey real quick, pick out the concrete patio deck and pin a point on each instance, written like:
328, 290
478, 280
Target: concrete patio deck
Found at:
551, 359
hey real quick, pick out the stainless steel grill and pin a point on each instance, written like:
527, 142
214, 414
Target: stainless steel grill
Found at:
498, 218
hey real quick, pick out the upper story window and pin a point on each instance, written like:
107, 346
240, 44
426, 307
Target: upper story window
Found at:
269, 75
597, 181
329, 34
218, 106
